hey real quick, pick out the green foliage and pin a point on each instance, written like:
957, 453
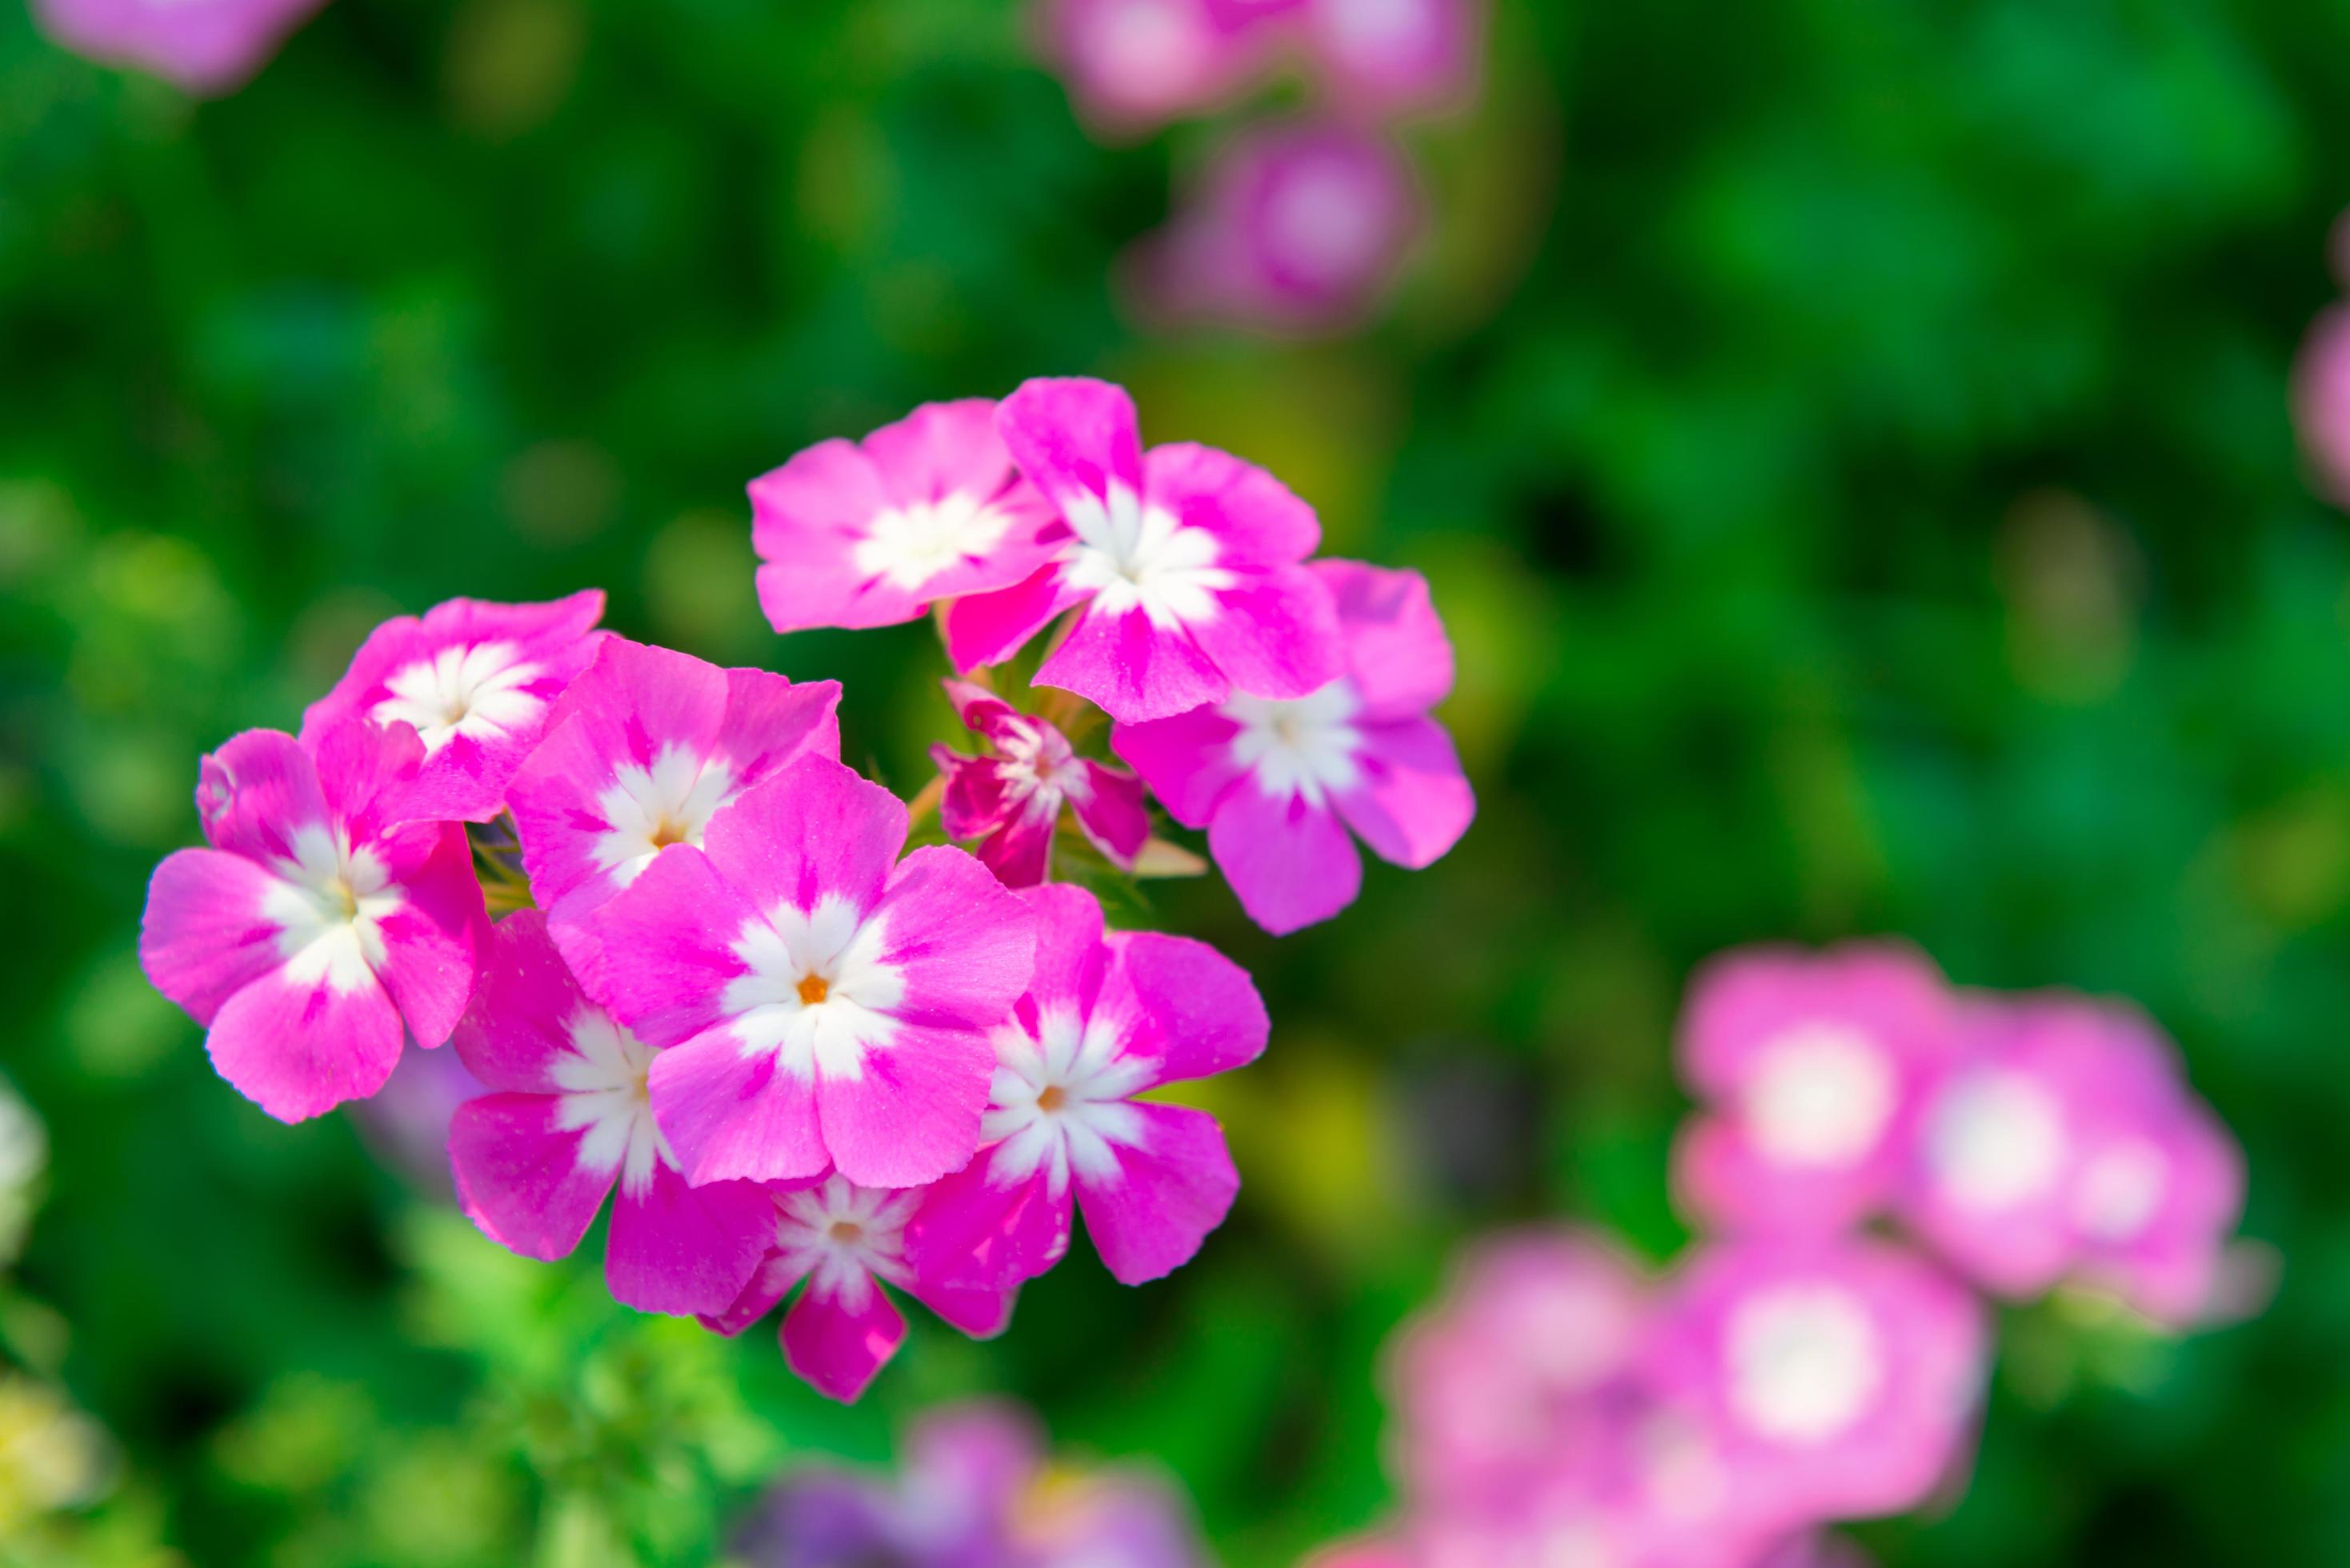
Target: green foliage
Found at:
1848, 442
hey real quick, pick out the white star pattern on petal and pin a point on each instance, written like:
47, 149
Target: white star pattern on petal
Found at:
843, 1236
1058, 1099
1130, 557
472, 692
1039, 769
647, 810
817, 994
909, 546
328, 905
603, 1083
1305, 747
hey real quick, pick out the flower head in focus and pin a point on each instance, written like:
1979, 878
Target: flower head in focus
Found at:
1011, 799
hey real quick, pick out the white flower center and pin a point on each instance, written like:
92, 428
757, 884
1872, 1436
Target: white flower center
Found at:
1133, 556
1058, 1099
472, 692
603, 1083
817, 994
907, 546
2121, 1192
1039, 769
1820, 1095
1379, 26
1303, 746
842, 1235
1140, 46
647, 810
1996, 1139
328, 904
1803, 1363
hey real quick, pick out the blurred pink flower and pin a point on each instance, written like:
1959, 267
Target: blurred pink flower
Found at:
210, 47
1807, 1068
1397, 56
1133, 65
2321, 401
1295, 228
1010, 800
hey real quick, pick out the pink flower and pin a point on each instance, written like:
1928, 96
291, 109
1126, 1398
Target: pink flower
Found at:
1300, 227
210, 47
1106, 1017
1398, 56
2321, 401
2065, 1142
1186, 563
821, 1002
644, 750
1012, 800
1133, 65
867, 534
314, 931
1510, 1377
478, 681
845, 1241
1277, 783
1837, 1378
567, 1121
1809, 1067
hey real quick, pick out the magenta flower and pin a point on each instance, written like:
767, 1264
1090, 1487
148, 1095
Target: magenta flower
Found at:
1398, 56
1511, 1376
1011, 801
2065, 1142
1134, 65
642, 751
821, 1002
2321, 401
1277, 783
867, 534
314, 932
568, 1121
1106, 1017
1295, 228
478, 680
1186, 563
845, 1241
1838, 1378
1809, 1067
210, 47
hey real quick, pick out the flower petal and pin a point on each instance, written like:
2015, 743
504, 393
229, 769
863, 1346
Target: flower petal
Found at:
1073, 437
966, 944
838, 1346
971, 1232
681, 1249
202, 937
1397, 654
812, 829
1133, 669
1275, 634
1292, 864
1172, 1190
1186, 761
519, 1177
911, 1113
433, 939
297, 1050
1114, 812
727, 1114
1413, 801
1206, 1012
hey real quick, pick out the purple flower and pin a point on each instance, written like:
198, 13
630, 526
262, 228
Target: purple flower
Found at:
567, 1121
867, 534
317, 930
2321, 401
1134, 65
211, 47
1107, 1016
1185, 565
1010, 800
1397, 56
1278, 782
822, 1002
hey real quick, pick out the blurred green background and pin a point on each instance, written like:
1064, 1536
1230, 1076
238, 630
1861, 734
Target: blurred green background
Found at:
1849, 442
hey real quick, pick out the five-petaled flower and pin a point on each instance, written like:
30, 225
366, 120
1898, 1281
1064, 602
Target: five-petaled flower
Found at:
1184, 564
1277, 783
317, 930
867, 534
568, 1120
1108, 1017
846, 1242
1010, 800
824, 1003
478, 681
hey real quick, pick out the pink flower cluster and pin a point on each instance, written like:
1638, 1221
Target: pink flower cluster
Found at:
1795, 1369
796, 1054
1300, 225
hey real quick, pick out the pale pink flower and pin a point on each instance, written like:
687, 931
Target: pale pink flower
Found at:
1108, 1017
1808, 1069
1278, 782
1133, 65
210, 47
567, 1121
477, 680
822, 1002
1295, 227
316, 932
1184, 565
2321, 401
845, 1241
646, 748
1398, 56
1011, 799
2064, 1143
867, 534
